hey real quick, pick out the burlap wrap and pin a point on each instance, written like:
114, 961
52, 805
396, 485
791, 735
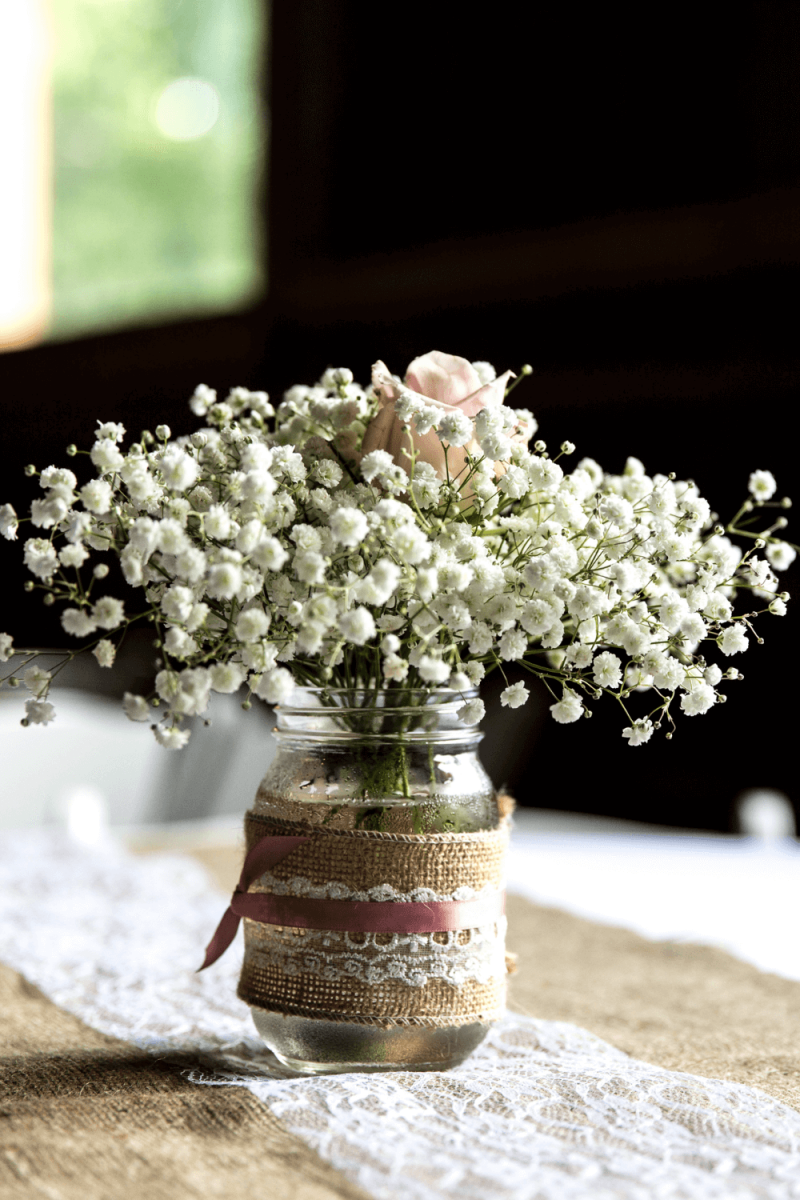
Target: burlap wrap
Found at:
274, 975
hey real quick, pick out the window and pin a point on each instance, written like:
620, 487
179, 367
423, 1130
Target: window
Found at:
134, 145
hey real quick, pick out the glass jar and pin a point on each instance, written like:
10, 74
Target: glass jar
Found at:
389, 785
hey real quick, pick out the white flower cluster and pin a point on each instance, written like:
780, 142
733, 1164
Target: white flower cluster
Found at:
272, 552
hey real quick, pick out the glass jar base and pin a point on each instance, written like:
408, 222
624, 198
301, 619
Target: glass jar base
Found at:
315, 1047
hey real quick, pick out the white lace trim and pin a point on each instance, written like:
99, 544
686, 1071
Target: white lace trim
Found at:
298, 885
413, 958
541, 1110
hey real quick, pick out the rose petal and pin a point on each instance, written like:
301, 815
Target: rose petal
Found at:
383, 383
489, 396
443, 377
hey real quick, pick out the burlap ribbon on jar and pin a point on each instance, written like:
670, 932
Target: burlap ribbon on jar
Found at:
436, 958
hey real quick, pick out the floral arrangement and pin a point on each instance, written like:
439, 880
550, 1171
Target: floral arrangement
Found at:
403, 536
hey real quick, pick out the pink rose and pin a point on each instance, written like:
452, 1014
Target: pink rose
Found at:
447, 382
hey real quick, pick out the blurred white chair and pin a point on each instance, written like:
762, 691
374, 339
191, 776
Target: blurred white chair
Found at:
92, 750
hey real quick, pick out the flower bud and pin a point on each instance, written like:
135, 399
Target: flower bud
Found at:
72, 450
786, 502
719, 530
163, 433
526, 369
567, 447
540, 447
30, 469
100, 571
49, 599
199, 440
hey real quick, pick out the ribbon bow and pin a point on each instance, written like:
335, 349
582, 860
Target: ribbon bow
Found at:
347, 916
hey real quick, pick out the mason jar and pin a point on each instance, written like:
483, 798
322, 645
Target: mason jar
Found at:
396, 831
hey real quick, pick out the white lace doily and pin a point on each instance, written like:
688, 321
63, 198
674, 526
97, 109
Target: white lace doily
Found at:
541, 1111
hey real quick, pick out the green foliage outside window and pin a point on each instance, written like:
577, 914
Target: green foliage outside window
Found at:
150, 224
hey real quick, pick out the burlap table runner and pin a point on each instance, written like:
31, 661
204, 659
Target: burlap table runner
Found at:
84, 1116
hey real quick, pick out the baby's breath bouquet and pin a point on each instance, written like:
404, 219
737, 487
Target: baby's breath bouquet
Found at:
400, 539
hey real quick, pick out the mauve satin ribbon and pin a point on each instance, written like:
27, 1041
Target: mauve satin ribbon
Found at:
351, 916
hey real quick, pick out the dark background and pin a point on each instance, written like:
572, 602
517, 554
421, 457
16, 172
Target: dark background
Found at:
611, 197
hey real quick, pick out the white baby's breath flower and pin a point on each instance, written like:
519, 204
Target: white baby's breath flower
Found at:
475, 672
410, 544
733, 640
171, 737
513, 645
197, 617
456, 428
217, 522
309, 567
514, 696
132, 566
376, 463
179, 643
379, 585
224, 580
485, 372
106, 457
640, 732
781, 555
699, 700
135, 707
607, 670
275, 686
178, 469
762, 485
358, 626
39, 712
6, 647
108, 612
269, 554
349, 526
9, 523
49, 512
227, 677
202, 400
73, 555
37, 681
395, 668
77, 622
171, 537
432, 669
105, 652
669, 675
40, 557
568, 709
472, 713
96, 496
328, 473
110, 429
252, 624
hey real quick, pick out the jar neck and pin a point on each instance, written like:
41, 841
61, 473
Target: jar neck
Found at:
342, 716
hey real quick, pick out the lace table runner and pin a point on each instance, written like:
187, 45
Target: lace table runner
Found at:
542, 1110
